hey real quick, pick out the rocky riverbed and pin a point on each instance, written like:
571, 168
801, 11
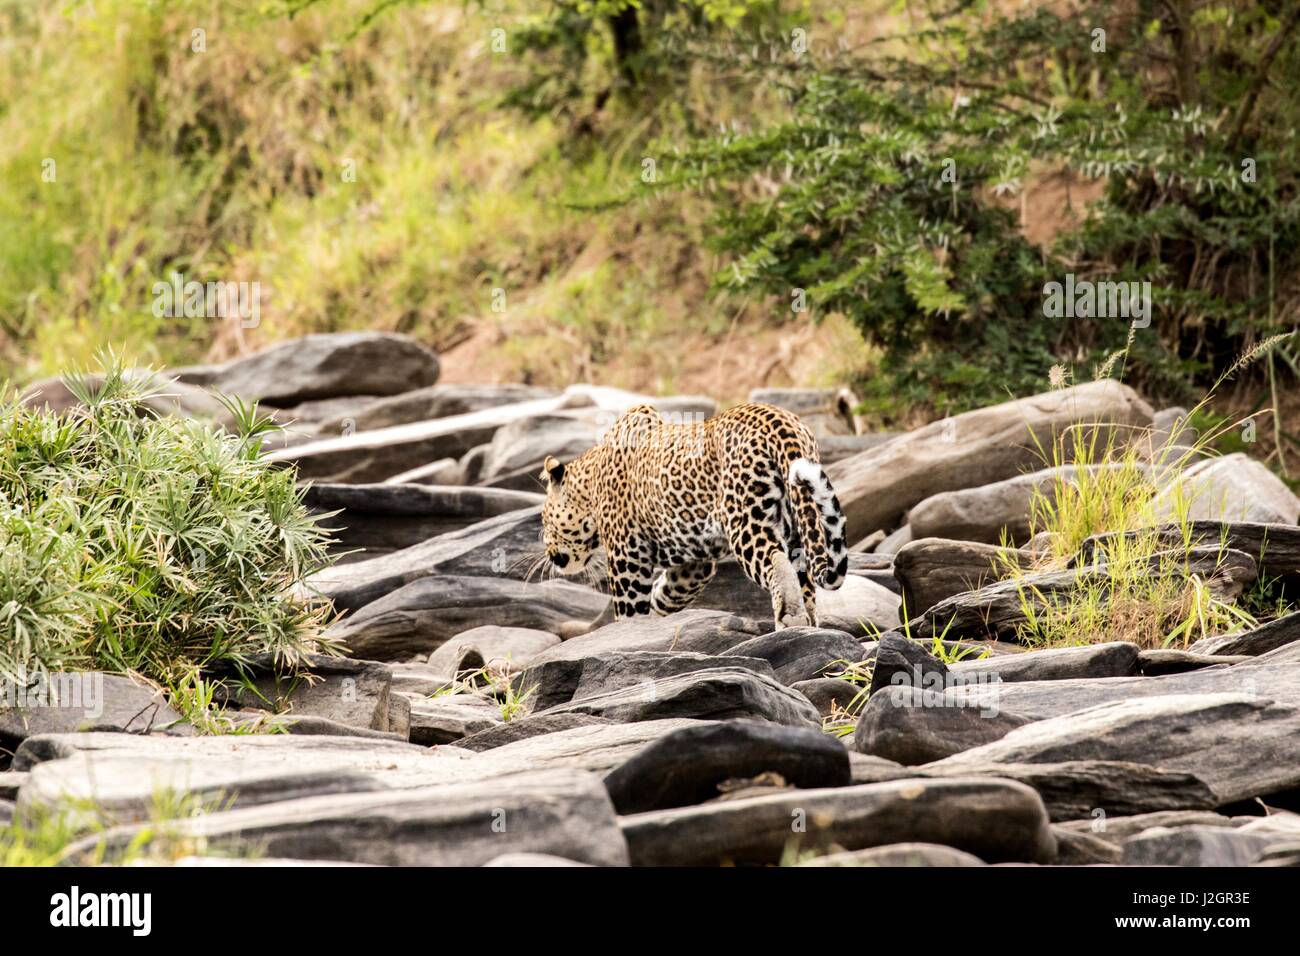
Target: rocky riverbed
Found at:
475, 723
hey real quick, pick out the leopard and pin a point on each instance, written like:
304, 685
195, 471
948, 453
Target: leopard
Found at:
667, 501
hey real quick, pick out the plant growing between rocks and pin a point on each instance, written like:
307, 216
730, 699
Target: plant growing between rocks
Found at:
155, 545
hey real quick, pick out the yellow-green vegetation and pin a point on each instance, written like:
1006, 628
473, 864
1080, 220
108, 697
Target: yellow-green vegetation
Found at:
1154, 587
80, 833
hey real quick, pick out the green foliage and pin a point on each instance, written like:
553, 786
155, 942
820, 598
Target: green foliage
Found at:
888, 193
135, 543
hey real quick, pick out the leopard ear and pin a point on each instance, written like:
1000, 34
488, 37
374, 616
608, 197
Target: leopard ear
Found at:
552, 470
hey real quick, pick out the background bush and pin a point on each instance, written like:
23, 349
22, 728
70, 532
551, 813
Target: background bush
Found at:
135, 543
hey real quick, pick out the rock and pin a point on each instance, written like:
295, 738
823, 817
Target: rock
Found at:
7, 808
532, 859
254, 721
1240, 746
686, 766
1154, 662
419, 680
877, 487
559, 813
697, 630
554, 682
520, 447
802, 653
1073, 789
449, 717
66, 702
829, 694
351, 692
1116, 829
1275, 547
502, 547
1195, 846
599, 746
995, 820
522, 728
826, 411
910, 726
1111, 659
995, 512
444, 471
10, 783
899, 854
381, 518
324, 366
833, 448
858, 606
867, 769
932, 569
1232, 488
894, 542
998, 610
381, 453
170, 397
901, 662
719, 693
1039, 700
419, 617
1076, 848
431, 402
503, 650
315, 412
1268, 637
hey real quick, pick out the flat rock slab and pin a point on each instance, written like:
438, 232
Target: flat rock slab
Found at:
715, 694
522, 728
1275, 547
1261, 640
1112, 659
878, 486
1153, 662
899, 854
387, 517
82, 701
909, 726
561, 813
340, 689
502, 650
1197, 846
420, 617
698, 630
447, 718
932, 569
1241, 747
686, 766
995, 820
802, 653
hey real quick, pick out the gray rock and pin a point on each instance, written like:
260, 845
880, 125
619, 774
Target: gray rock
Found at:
829, 694
877, 487
895, 541
698, 630
10, 782
1080, 848
717, 694
1240, 746
932, 569
522, 728
858, 606
502, 650
420, 680
994, 512
73, 701
1111, 659
502, 547
910, 726
686, 766
995, 820
1154, 662
532, 859
170, 397
867, 769
1231, 488
1080, 788
1117, 828
449, 717
1275, 547
833, 448
998, 610
254, 721
899, 854
444, 471
387, 517
1194, 846
431, 402
554, 682
419, 617
522, 445
7, 808
324, 366
902, 662
1268, 637
348, 691
802, 653
558, 813
826, 411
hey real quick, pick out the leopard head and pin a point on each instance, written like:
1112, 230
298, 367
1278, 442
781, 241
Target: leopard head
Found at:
568, 523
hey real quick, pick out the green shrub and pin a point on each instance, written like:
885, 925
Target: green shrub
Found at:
130, 542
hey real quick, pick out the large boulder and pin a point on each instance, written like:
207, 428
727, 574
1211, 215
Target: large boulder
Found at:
911, 726
932, 569
996, 820
698, 630
501, 650
351, 692
878, 487
1232, 488
419, 617
802, 653
323, 366
514, 456
68, 702
378, 519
